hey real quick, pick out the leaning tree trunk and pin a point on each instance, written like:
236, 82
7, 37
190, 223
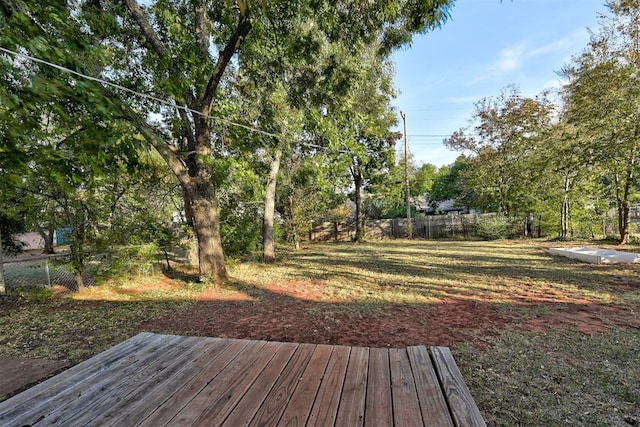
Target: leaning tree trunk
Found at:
207, 225
268, 235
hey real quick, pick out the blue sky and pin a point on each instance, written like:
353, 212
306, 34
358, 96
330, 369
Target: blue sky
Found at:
485, 46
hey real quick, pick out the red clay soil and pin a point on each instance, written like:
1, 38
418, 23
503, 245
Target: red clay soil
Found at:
284, 319
296, 312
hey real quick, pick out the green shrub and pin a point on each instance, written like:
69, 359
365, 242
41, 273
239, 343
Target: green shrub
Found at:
123, 261
494, 227
36, 294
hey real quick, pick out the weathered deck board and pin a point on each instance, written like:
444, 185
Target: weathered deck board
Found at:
190, 389
62, 389
327, 400
245, 410
406, 407
278, 398
461, 404
151, 394
434, 408
154, 379
353, 398
301, 402
379, 407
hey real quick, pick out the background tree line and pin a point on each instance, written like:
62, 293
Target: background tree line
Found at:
565, 163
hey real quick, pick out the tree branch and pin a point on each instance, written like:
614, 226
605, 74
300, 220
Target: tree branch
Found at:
167, 151
202, 33
242, 30
138, 15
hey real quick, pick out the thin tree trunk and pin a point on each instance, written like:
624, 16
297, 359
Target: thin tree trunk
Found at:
356, 172
293, 229
268, 235
79, 281
564, 213
47, 236
78, 221
359, 226
624, 222
207, 225
625, 214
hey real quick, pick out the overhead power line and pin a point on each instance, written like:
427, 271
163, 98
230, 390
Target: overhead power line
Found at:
428, 136
123, 88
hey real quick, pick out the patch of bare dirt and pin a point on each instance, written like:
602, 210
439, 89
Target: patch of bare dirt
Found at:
587, 318
297, 312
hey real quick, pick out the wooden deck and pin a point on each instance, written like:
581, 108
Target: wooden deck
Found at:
153, 380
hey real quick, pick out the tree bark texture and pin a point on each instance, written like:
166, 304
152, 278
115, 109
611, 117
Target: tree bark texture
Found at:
47, 236
268, 235
358, 179
207, 225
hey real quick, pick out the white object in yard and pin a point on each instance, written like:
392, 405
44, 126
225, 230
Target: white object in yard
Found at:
597, 256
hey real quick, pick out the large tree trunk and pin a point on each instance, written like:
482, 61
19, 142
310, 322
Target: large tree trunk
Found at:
207, 226
268, 235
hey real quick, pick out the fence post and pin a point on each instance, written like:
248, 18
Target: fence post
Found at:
46, 263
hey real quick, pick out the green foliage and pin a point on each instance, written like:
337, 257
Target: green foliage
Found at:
9, 226
241, 209
448, 183
31, 294
494, 227
121, 262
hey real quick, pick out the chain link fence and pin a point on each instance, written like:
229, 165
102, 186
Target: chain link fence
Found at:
41, 272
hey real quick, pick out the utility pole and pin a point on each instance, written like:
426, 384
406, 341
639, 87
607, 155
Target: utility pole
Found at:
406, 177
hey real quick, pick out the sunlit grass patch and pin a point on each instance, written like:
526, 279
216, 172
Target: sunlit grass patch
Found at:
427, 271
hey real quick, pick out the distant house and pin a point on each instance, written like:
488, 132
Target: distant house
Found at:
448, 207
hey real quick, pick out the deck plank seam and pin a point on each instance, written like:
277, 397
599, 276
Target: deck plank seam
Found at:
210, 380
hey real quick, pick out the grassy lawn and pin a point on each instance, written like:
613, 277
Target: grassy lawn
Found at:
566, 350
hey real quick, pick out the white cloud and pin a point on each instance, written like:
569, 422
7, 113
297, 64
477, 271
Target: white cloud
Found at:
571, 43
513, 58
509, 59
